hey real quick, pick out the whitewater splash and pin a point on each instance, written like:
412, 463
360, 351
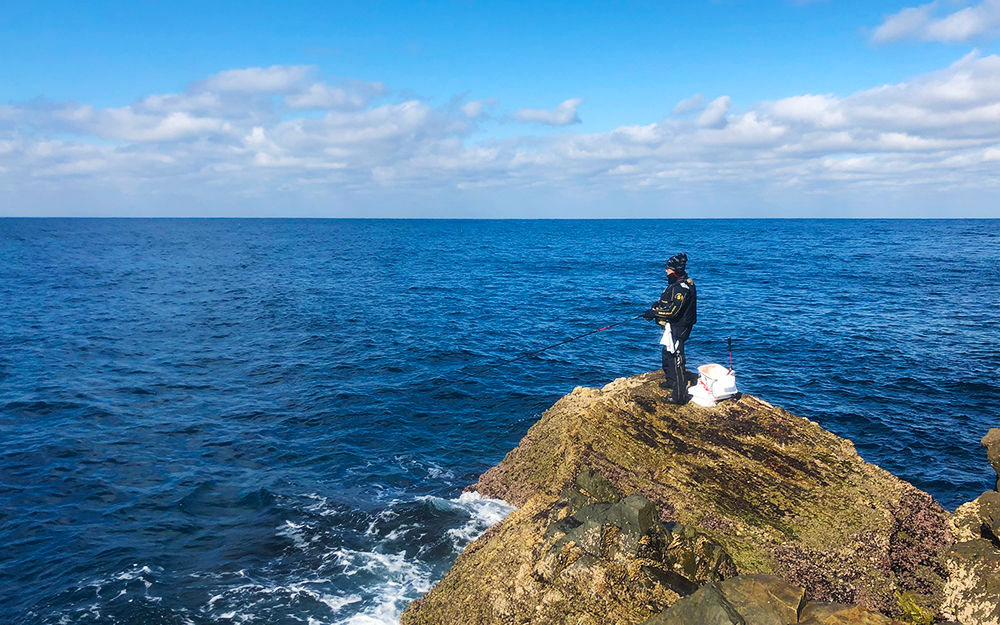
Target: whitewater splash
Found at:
338, 567
398, 564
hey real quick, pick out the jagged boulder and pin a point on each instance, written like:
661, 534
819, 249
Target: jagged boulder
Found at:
781, 495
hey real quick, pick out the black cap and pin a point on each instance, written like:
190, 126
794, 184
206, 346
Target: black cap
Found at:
677, 262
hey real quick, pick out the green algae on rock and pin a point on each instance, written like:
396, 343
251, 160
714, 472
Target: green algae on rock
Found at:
775, 493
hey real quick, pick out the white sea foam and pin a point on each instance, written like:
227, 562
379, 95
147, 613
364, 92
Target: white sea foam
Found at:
297, 534
110, 591
401, 579
323, 578
251, 599
385, 578
484, 513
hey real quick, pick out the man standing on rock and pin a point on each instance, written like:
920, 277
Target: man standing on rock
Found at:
677, 312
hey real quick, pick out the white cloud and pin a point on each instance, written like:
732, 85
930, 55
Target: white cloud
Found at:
274, 79
819, 110
714, 115
562, 115
123, 124
939, 130
961, 101
907, 23
694, 103
172, 102
477, 108
319, 95
926, 24
126, 124
8, 113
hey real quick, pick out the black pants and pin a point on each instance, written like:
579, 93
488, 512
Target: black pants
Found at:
674, 372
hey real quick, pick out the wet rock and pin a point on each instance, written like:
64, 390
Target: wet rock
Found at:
635, 517
638, 519
672, 580
992, 444
816, 613
708, 606
597, 486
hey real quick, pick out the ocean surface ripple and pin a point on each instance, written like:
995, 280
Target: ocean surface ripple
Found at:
272, 421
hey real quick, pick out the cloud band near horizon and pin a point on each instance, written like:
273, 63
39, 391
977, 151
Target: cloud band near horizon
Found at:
256, 132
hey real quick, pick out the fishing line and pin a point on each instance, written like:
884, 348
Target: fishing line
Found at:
539, 351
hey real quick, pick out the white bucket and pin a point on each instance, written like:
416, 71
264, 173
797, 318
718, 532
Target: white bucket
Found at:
701, 396
717, 380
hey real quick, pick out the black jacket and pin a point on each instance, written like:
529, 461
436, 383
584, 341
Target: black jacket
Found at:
678, 306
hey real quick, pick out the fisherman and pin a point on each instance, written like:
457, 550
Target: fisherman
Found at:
677, 312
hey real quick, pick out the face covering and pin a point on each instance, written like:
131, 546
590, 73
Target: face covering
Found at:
672, 277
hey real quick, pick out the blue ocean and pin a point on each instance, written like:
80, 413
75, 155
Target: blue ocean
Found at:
272, 421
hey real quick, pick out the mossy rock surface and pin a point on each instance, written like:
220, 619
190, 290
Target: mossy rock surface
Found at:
779, 493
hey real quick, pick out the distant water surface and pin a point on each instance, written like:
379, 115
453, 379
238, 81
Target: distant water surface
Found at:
250, 421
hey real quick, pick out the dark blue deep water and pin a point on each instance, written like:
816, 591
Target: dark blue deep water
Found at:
229, 421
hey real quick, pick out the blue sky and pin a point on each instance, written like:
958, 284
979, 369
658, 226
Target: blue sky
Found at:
452, 109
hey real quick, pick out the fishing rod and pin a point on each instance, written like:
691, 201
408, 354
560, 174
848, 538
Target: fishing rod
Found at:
538, 351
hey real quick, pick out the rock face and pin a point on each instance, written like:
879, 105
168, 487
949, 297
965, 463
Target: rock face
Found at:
743, 600
972, 593
992, 444
741, 488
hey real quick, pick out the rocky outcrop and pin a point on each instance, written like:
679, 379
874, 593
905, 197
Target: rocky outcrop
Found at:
628, 504
972, 592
